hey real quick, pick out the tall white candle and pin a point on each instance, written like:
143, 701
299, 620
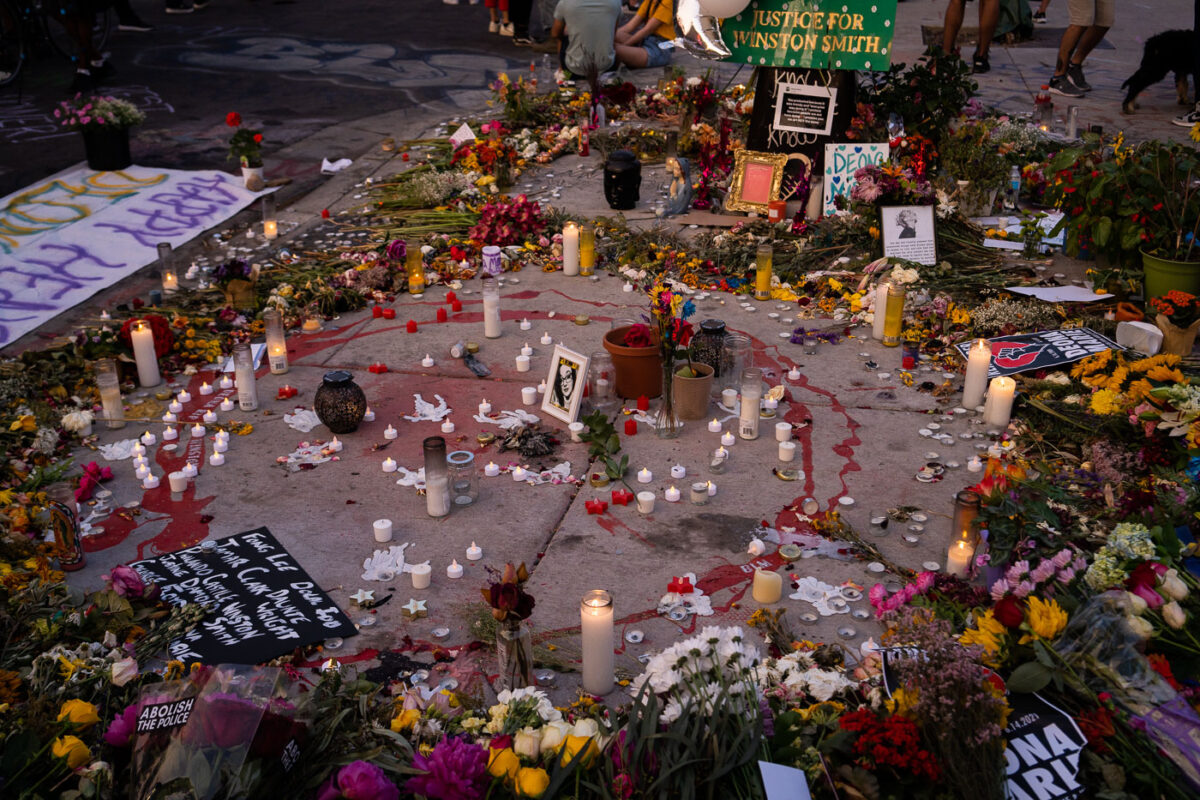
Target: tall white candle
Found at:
596, 621
437, 495
570, 237
958, 558
979, 358
491, 308
1000, 401
881, 294
142, 338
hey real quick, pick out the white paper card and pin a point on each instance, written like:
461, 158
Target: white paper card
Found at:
1059, 294
461, 136
256, 352
783, 782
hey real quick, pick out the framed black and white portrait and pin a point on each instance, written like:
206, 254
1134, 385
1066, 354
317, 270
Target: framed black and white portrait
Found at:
565, 384
907, 233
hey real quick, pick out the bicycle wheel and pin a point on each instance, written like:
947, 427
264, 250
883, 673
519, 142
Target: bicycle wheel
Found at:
12, 43
56, 33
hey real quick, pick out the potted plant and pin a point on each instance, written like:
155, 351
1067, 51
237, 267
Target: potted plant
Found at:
637, 361
1178, 318
1137, 206
236, 278
968, 155
104, 123
245, 147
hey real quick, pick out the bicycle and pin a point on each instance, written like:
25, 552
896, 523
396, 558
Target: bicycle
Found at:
28, 26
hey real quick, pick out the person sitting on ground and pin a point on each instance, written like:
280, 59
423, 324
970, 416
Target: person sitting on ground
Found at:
586, 29
989, 16
638, 40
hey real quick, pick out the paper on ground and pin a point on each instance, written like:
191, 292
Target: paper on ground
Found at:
1059, 294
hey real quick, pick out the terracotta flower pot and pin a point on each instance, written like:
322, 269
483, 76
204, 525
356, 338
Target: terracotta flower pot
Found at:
638, 369
1176, 340
692, 394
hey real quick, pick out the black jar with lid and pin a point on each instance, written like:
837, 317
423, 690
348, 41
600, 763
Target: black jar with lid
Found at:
708, 344
622, 180
340, 403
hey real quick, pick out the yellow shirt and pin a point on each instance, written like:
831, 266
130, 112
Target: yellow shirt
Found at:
664, 12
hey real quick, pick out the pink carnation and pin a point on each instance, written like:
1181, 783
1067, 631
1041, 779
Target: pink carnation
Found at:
1000, 588
1062, 558
925, 581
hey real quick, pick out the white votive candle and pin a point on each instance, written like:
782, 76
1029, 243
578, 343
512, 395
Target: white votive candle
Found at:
783, 431
178, 481
206, 388
148, 438
216, 459
335, 445
227, 404
767, 587
519, 474
198, 431
389, 465
190, 469
142, 472
727, 439
526, 325
678, 471
474, 552
169, 417
447, 427
368, 415
421, 575
958, 558
714, 426
170, 434
729, 398
485, 408
644, 475
390, 432
226, 382
175, 407
455, 569
150, 482
383, 530
522, 363
220, 445
547, 338
492, 469
576, 429
138, 449
541, 387
712, 489
209, 417
526, 350
793, 374
427, 361
645, 502
671, 495
787, 451
184, 396
529, 395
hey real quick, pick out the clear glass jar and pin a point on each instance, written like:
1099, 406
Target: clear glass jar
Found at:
414, 268
602, 387
736, 355
966, 509
166, 266
108, 382
464, 481
437, 478
751, 397
763, 270
276, 342
243, 373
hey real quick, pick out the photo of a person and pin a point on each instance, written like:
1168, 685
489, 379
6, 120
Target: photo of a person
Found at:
906, 220
562, 390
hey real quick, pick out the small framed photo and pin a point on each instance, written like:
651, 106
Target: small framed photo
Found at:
756, 180
907, 233
565, 384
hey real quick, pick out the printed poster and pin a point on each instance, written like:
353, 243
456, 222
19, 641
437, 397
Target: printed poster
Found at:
820, 34
1027, 352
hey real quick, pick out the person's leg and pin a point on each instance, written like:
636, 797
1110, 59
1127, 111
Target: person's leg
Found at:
952, 24
1066, 46
1087, 42
989, 17
633, 56
518, 13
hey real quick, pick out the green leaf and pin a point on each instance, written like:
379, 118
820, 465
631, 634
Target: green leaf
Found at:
1102, 231
1029, 677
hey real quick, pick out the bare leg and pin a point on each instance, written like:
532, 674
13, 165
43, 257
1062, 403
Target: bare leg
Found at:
1042, 8
989, 18
1070, 39
632, 55
1091, 37
952, 24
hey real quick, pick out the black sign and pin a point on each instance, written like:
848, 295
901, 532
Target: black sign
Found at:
790, 99
1043, 350
262, 603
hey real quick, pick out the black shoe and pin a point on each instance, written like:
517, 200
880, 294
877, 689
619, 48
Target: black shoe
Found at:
1039, 18
1075, 76
135, 23
82, 82
980, 65
103, 70
1189, 119
179, 8
1059, 84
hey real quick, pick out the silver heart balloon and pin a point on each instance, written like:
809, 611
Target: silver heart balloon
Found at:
699, 32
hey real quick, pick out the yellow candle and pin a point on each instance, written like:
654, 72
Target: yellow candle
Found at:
416, 271
893, 318
762, 272
270, 229
767, 588
587, 249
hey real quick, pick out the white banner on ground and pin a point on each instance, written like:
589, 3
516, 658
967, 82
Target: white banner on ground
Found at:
68, 237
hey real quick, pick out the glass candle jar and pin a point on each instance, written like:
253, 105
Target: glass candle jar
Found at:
751, 396
64, 521
966, 510
602, 389
587, 249
464, 481
491, 308
893, 316
437, 477
736, 355
276, 342
763, 258
243, 373
414, 268
270, 218
108, 382
166, 265
339, 402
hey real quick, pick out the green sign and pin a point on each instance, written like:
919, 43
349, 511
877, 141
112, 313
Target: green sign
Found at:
814, 34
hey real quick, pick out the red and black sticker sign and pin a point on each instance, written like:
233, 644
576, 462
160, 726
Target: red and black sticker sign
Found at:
1027, 352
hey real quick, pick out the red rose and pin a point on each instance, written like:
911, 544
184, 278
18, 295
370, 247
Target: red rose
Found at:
1009, 612
233, 119
258, 138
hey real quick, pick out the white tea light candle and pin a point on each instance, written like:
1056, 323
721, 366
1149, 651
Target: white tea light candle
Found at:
383, 530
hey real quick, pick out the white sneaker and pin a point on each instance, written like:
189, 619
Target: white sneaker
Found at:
1189, 119
506, 29
493, 27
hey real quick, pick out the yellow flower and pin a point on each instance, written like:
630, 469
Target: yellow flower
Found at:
1046, 618
835, 284
72, 749
25, 423
79, 712
1161, 373
405, 720
574, 745
988, 633
1106, 402
821, 712
532, 781
904, 702
504, 764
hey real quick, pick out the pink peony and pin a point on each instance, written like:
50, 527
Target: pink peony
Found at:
125, 581
120, 730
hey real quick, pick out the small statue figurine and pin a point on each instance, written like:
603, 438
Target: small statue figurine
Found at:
680, 199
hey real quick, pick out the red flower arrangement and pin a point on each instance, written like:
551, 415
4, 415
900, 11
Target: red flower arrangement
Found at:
893, 741
506, 221
1180, 308
508, 598
164, 339
245, 146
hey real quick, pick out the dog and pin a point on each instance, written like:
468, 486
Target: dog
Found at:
1170, 51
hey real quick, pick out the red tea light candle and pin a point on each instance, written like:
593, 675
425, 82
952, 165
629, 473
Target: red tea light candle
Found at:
411, 326
378, 368
451, 297
631, 427
389, 313
595, 506
643, 403
377, 311
286, 392
442, 316
456, 306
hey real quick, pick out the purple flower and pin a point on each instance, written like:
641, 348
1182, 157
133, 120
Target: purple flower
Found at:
454, 770
396, 249
125, 581
1000, 588
121, 729
1066, 575
1043, 572
361, 780
1062, 558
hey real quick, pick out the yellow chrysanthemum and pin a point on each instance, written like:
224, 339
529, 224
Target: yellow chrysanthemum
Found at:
405, 720
1106, 402
1045, 618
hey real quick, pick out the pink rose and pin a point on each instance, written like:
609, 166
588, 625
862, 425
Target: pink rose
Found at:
125, 581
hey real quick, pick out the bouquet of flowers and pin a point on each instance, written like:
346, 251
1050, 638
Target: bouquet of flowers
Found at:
245, 146
510, 605
669, 311
506, 221
97, 113
1180, 308
235, 269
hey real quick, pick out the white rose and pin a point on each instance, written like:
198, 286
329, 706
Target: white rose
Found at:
1139, 627
124, 671
1173, 586
1136, 603
527, 743
1174, 615
554, 734
586, 727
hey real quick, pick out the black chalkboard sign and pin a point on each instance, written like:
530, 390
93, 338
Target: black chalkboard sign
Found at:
263, 604
799, 111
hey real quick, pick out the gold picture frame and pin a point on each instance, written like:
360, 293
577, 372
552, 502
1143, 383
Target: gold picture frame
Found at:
753, 187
